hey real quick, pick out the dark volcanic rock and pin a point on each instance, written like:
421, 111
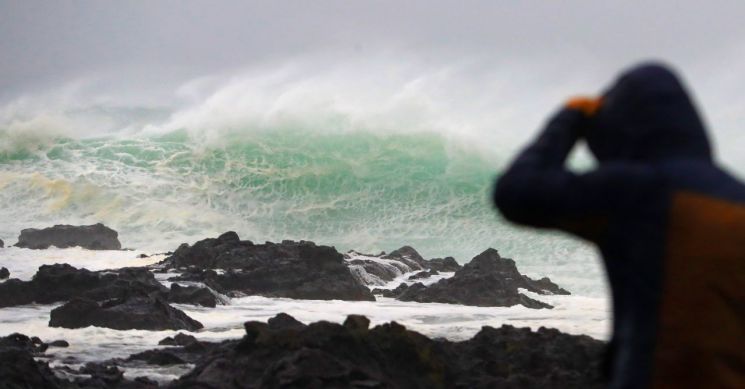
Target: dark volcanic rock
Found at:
180, 339
19, 369
447, 264
382, 269
32, 345
93, 237
357, 323
192, 295
132, 312
61, 282
284, 321
59, 343
521, 358
424, 274
327, 355
544, 286
488, 280
104, 375
379, 269
127, 298
157, 357
300, 270
4, 273
409, 256
393, 292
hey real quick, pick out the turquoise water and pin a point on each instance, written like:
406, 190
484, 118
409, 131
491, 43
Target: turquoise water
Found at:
354, 190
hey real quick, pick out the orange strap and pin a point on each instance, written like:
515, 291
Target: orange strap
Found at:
587, 105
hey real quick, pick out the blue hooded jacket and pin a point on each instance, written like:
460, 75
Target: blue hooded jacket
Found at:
669, 223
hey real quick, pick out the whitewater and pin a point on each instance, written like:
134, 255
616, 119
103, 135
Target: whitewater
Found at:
355, 163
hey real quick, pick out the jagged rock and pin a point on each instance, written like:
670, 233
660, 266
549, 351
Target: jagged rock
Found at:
284, 321
300, 270
392, 292
408, 255
192, 295
19, 369
61, 282
107, 374
324, 354
4, 273
104, 375
93, 237
32, 345
423, 274
157, 357
376, 270
488, 280
521, 358
132, 312
447, 264
357, 323
544, 286
2, 244
180, 339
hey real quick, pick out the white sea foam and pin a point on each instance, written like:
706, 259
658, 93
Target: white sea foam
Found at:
571, 314
23, 263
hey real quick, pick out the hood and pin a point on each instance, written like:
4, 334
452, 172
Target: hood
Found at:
647, 115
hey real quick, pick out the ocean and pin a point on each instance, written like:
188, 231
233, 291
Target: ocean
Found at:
354, 175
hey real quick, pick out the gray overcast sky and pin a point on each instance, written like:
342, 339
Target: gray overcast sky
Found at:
46, 42
522, 56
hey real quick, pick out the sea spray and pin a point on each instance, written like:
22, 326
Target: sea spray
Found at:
405, 155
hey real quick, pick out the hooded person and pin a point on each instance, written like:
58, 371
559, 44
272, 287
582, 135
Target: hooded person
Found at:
668, 222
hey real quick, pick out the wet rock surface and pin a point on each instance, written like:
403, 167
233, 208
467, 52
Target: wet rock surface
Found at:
62, 282
4, 273
20, 369
93, 237
130, 312
59, 343
409, 256
32, 345
192, 295
179, 339
447, 264
108, 376
488, 280
424, 274
126, 298
284, 352
377, 270
328, 355
299, 270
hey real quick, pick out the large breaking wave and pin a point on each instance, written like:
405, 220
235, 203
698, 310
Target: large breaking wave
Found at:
274, 157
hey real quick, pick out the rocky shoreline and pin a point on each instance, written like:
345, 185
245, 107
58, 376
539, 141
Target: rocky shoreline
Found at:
285, 352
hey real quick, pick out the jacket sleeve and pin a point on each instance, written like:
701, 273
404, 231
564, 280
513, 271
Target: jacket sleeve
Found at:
537, 189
